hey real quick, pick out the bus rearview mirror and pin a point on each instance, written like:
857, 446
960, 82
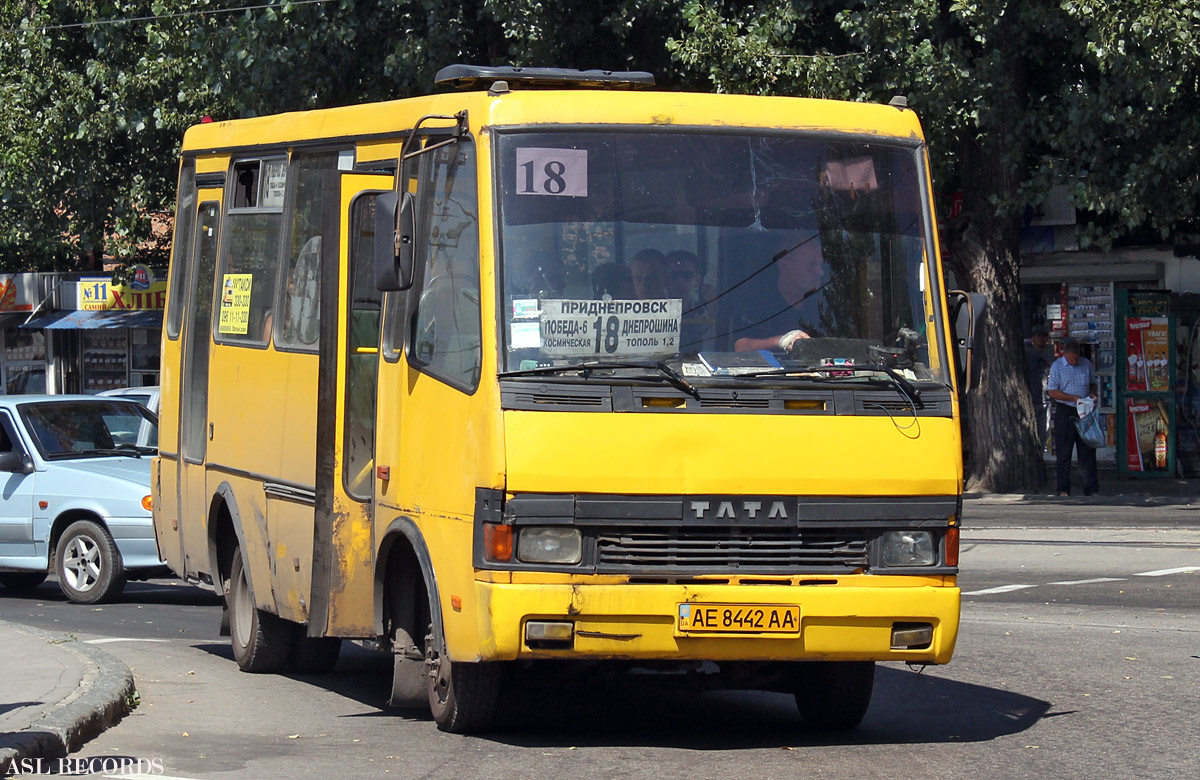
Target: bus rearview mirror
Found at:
966, 313
395, 230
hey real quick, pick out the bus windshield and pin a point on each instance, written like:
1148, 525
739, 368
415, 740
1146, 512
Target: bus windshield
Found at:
718, 253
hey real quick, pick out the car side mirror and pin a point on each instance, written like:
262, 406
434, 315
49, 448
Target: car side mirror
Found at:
15, 463
966, 312
395, 229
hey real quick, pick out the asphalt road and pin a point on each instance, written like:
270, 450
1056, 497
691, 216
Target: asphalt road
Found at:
1089, 670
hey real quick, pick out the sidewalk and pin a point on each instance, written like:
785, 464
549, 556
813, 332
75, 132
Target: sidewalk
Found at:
55, 694
1114, 490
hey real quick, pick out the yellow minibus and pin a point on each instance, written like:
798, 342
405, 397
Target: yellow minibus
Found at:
554, 367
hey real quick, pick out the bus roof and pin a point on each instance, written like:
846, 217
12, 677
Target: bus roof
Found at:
546, 107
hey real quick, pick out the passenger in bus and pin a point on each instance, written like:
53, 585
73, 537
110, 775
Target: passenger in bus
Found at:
649, 272
612, 281
685, 280
791, 314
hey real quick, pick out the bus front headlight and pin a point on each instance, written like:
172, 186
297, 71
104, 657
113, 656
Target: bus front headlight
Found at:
550, 545
908, 548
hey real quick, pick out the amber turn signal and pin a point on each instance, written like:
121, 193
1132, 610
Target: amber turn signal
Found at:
497, 542
952, 546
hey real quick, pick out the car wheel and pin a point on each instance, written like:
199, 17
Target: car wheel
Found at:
261, 641
463, 697
834, 695
21, 581
88, 564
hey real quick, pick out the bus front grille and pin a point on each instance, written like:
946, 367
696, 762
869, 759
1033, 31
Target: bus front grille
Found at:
742, 549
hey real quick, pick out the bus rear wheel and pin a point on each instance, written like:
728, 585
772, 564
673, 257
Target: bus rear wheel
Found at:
834, 695
463, 697
261, 641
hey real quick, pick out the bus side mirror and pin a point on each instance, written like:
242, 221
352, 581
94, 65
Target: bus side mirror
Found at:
395, 230
966, 312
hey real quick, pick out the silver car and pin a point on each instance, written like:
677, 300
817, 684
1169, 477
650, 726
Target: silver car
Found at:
75, 494
147, 397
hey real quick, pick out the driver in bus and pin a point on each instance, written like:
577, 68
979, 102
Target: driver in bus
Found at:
790, 313
649, 271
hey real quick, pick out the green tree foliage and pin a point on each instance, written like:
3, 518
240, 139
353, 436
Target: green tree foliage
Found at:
1101, 97
99, 92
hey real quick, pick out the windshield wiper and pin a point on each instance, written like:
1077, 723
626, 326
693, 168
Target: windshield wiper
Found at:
129, 450
901, 382
588, 366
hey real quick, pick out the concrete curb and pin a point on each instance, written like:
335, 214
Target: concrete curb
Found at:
105, 695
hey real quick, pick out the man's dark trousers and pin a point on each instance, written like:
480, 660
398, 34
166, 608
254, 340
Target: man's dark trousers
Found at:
1066, 438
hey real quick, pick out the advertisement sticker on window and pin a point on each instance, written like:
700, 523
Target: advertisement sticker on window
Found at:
274, 183
235, 304
579, 328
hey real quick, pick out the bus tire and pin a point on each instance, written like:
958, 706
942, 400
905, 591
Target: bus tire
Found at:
463, 697
22, 581
261, 641
88, 564
314, 654
834, 695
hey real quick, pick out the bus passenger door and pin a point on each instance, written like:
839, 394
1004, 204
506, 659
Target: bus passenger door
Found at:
193, 390
343, 544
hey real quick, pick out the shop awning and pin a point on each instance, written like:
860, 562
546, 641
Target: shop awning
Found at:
91, 320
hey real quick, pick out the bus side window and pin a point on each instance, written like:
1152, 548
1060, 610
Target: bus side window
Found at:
446, 336
250, 260
315, 178
185, 211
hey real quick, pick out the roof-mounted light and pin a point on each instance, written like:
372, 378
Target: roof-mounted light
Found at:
482, 77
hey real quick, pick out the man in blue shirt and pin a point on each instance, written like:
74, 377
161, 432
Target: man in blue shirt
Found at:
1071, 378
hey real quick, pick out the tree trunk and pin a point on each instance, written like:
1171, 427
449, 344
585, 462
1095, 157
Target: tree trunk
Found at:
1003, 452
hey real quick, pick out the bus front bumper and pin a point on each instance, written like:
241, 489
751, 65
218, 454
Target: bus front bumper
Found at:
836, 622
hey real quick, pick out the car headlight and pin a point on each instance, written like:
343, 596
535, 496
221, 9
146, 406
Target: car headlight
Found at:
550, 545
908, 548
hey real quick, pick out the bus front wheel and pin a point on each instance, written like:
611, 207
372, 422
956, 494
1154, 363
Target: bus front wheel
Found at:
463, 697
261, 641
834, 695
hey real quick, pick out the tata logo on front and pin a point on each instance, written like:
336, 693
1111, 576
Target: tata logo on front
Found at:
739, 510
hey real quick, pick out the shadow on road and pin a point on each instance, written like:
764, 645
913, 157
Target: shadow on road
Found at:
160, 591
907, 708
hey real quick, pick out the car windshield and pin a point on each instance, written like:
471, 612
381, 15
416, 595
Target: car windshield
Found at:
85, 428
715, 253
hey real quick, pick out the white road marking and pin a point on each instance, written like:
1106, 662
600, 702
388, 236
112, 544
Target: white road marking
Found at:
1000, 589
1164, 572
106, 640
1088, 582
